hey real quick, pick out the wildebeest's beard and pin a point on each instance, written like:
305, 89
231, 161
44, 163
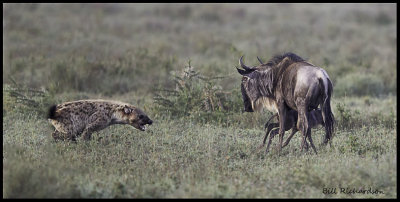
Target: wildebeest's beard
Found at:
246, 100
250, 93
256, 85
257, 82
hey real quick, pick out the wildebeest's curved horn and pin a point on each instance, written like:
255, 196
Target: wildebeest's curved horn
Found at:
244, 66
259, 60
241, 71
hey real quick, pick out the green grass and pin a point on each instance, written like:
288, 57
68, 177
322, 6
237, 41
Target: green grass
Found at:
201, 145
179, 158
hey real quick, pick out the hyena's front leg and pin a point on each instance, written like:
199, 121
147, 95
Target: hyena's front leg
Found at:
57, 135
97, 121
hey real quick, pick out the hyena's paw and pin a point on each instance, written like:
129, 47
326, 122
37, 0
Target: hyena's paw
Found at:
57, 136
86, 135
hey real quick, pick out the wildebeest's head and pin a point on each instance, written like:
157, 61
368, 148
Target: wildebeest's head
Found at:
256, 84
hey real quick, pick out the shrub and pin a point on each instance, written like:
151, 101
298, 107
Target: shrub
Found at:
347, 118
196, 96
20, 98
359, 84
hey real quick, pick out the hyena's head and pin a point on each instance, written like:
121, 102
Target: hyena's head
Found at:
135, 117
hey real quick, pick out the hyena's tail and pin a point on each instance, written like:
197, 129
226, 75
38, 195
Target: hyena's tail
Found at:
52, 112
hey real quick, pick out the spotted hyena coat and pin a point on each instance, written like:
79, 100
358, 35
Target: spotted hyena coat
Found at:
83, 117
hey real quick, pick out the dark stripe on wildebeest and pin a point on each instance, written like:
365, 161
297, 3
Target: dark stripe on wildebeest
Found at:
288, 82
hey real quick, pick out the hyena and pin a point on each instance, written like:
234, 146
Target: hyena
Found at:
314, 119
82, 117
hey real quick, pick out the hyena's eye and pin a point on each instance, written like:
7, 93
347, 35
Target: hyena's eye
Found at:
141, 116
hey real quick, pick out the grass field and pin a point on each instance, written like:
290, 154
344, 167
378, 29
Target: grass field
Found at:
201, 144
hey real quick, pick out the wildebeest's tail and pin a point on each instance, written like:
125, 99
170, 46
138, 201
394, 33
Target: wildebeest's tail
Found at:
327, 114
52, 112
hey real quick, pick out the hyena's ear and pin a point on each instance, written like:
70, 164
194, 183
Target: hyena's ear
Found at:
127, 110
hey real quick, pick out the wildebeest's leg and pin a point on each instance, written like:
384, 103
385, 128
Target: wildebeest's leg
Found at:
311, 141
269, 126
269, 129
273, 133
294, 131
309, 126
270, 118
282, 119
305, 129
302, 123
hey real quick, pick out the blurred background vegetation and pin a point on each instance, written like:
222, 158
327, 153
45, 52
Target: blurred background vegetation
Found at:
77, 51
132, 51
144, 53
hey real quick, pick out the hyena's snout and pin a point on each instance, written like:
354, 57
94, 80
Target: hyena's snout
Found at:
148, 121
143, 121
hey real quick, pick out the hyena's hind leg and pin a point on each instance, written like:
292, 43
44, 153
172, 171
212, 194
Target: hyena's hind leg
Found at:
99, 122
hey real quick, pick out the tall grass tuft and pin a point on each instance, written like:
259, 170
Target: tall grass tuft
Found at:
20, 98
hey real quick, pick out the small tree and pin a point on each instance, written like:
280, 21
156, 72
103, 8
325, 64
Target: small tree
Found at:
194, 95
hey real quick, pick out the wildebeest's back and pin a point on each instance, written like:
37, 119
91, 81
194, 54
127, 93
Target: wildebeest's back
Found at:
297, 81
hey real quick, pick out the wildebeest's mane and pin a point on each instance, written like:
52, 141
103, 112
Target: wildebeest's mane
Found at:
268, 79
278, 58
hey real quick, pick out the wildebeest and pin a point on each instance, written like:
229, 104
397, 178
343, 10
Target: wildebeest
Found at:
289, 82
314, 119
